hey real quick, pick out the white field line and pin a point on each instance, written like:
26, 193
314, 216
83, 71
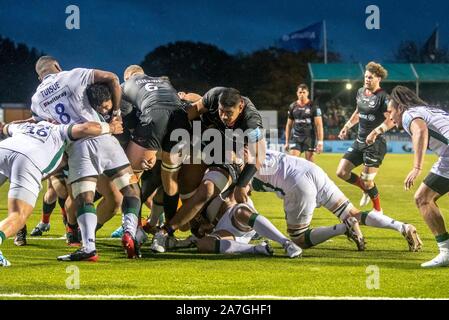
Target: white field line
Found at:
199, 297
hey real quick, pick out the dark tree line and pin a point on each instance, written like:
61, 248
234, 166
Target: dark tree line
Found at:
269, 76
18, 80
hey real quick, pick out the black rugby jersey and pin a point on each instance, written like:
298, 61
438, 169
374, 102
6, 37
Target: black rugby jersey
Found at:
303, 118
371, 111
250, 118
144, 92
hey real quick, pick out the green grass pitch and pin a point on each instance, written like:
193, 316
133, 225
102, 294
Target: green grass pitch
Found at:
332, 269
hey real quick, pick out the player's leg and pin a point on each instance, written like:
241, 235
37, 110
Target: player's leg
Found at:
25, 184
214, 182
296, 148
73, 234
351, 159
59, 183
140, 158
48, 205
309, 148
84, 193
432, 188
126, 182
373, 156
300, 203
110, 203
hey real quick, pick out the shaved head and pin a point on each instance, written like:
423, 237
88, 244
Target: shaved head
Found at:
132, 70
47, 65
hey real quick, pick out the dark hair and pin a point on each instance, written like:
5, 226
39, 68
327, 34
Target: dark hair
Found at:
303, 86
98, 93
229, 97
405, 98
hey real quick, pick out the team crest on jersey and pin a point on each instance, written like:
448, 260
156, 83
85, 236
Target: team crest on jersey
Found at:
307, 111
373, 102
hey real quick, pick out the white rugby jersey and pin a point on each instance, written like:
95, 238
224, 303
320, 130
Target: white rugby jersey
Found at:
61, 97
278, 172
437, 121
43, 143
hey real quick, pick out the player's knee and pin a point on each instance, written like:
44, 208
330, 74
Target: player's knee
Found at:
421, 200
242, 215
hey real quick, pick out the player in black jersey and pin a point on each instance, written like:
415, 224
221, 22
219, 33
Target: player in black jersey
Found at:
370, 146
160, 111
224, 110
307, 126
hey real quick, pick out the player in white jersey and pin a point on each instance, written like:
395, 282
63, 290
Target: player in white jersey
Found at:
62, 97
429, 129
304, 186
233, 226
33, 151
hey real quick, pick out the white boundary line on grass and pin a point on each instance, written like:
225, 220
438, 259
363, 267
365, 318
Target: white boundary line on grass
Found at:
199, 297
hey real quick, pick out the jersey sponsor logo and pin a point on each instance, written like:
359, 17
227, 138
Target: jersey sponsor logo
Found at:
369, 117
307, 111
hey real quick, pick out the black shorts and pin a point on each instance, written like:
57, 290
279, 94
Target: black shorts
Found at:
156, 125
130, 122
437, 183
370, 156
304, 143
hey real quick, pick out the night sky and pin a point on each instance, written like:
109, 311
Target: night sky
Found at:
114, 34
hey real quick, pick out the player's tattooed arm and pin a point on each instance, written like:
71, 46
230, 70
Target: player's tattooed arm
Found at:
113, 83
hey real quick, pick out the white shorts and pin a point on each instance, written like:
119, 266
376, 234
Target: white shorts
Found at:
24, 176
441, 167
226, 224
92, 157
312, 189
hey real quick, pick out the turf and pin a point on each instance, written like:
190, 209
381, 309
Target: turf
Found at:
332, 269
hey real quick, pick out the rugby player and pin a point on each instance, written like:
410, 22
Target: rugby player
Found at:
62, 98
307, 123
429, 128
370, 146
224, 110
33, 151
303, 186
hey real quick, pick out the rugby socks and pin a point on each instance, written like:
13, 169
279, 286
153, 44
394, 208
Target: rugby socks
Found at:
319, 235
47, 209
374, 195
157, 210
2, 237
170, 205
442, 241
130, 209
355, 180
378, 220
61, 203
87, 221
266, 229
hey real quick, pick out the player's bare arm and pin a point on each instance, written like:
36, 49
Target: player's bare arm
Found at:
319, 131
420, 138
353, 120
384, 127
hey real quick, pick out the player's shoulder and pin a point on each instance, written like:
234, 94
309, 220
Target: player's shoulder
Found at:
292, 105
